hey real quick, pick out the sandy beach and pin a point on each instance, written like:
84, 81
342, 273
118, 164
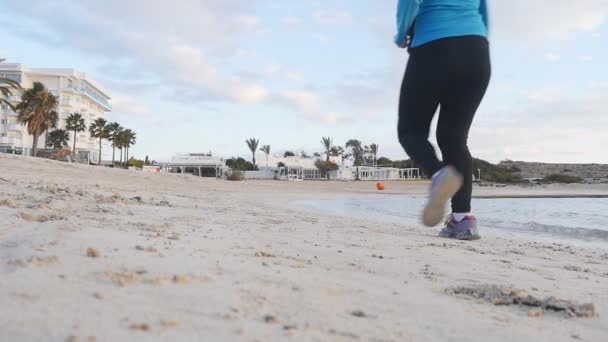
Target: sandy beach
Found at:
97, 254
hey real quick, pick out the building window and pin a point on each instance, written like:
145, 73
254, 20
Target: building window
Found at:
13, 77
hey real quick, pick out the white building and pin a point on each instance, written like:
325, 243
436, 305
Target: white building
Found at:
76, 93
198, 164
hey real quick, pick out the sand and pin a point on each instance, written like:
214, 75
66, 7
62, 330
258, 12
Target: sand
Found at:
96, 254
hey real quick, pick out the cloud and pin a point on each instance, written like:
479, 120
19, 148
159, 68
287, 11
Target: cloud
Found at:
307, 104
127, 105
332, 18
554, 124
585, 58
527, 20
552, 57
320, 37
181, 46
292, 21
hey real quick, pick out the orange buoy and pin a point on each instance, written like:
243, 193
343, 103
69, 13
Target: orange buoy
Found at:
380, 186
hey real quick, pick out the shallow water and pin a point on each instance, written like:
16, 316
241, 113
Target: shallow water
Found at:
578, 218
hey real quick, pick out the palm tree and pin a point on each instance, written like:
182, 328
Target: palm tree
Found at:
6, 87
337, 151
125, 139
266, 150
357, 150
114, 129
253, 147
121, 142
50, 122
130, 139
374, 150
75, 123
37, 111
327, 143
58, 139
99, 130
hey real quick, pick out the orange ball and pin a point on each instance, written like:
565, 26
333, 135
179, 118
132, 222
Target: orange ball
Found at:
380, 186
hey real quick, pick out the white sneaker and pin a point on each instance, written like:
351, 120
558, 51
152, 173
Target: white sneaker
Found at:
446, 182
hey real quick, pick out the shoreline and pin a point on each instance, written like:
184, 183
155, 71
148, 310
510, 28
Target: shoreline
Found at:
128, 256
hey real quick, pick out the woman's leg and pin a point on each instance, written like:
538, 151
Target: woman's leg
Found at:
463, 92
418, 103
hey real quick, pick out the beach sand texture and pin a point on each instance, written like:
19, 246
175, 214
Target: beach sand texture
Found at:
97, 254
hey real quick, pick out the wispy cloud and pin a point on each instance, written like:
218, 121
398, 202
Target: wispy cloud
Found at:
552, 57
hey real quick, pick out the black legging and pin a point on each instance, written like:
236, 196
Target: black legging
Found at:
452, 73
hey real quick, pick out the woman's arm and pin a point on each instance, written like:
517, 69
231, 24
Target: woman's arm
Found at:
406, 13
483, 9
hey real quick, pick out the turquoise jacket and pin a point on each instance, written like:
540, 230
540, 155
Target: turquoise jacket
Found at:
435, 19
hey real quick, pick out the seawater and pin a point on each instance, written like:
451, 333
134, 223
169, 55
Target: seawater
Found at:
578, 218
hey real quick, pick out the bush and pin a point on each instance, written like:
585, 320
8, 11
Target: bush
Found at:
240, 164
136, 163
236, 175
326, 165
557, 178
496, 173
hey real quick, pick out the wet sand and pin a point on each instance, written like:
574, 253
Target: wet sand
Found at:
90, 253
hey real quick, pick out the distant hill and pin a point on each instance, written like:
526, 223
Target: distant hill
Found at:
590, 173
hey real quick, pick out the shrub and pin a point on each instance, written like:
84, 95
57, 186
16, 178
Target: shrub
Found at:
136, 163
496, 173
326, 165
557, 178
236, 175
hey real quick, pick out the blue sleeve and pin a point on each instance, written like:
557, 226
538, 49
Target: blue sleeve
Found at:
483, 9
407, 10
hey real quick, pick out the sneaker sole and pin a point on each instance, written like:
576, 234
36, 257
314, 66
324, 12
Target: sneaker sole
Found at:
435, 209
467, 237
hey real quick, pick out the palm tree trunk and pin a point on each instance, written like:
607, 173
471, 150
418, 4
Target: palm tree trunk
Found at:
121, 156
99, 157
74, 146
35, 145
113, 151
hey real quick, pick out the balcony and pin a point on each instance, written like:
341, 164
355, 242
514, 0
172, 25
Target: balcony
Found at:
67, 102
9, 140
14, 127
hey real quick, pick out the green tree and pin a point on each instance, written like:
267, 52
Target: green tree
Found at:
253, 147
58, 139
383, 161
129, 140
240, 164
266, 150
356, 151
374, 151
326, 167
37, 111
121, 142
6, 90
114, 129
50, 122
99, 130
327, 143
136, 163
75, 123
289, 154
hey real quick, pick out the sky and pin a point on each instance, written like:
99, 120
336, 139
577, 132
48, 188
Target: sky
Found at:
205, 75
